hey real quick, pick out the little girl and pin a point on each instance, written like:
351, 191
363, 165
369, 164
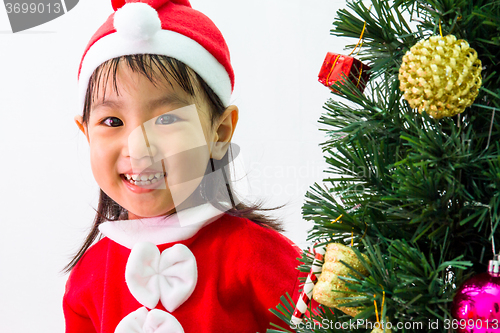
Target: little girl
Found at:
180, 252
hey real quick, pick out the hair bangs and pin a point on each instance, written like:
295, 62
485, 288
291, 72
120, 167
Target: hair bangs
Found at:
153, 67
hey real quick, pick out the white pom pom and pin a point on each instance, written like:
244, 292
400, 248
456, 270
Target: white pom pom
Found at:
137, 21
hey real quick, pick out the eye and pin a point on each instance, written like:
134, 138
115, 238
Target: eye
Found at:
112, 122
165, 119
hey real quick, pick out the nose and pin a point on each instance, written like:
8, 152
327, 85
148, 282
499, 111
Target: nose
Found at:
142, 147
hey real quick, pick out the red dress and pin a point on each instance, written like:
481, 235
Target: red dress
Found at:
231, 272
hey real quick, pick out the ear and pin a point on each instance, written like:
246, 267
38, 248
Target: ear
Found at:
79, 123
224, 132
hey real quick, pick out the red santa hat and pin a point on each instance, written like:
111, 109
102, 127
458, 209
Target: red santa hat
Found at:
164, 27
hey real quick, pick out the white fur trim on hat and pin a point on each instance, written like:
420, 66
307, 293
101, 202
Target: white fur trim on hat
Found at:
164, 42
137, 20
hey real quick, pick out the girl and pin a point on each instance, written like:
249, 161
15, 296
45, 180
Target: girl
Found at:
180, 252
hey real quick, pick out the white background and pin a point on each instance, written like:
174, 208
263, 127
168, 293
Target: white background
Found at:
47, 192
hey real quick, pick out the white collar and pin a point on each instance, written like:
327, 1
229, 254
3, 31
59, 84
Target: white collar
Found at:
160, 230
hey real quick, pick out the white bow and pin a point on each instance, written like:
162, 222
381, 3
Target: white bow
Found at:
170, 276
154, 321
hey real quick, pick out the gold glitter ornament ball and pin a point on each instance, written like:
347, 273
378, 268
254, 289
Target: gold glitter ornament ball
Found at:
441, 75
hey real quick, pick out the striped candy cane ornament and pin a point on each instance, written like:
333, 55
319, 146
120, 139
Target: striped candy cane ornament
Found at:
312, 277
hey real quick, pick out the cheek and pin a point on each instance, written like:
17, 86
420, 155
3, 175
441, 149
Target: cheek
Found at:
188, 163
102, 161
206, 133
181, 140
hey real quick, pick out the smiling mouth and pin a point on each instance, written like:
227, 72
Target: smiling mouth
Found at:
143, 179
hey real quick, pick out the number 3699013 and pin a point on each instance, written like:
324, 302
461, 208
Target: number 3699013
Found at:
471, 324
33, 7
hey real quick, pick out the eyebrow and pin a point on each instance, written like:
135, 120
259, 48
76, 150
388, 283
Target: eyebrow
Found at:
165, 100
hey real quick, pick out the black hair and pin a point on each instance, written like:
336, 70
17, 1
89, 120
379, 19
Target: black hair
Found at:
188, 80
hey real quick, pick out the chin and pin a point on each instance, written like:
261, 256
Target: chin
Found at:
147, 213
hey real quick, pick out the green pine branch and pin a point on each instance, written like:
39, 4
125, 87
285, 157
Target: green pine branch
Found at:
419, 196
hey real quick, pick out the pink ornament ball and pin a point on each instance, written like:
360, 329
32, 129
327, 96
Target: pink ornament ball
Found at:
476, 305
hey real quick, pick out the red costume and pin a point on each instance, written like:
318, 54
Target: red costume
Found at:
242, 270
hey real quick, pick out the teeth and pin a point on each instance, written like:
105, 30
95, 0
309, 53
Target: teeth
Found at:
144, 179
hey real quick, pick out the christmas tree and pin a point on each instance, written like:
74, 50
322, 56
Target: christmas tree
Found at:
412, 208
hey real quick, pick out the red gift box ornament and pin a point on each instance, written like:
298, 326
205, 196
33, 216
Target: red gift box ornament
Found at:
337, 67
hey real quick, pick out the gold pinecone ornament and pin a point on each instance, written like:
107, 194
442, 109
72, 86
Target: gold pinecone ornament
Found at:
441, 75
329, 280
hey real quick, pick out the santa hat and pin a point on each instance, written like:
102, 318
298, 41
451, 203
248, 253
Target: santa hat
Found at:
164, 27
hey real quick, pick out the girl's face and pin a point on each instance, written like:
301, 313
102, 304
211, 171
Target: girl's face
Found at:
150, 145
